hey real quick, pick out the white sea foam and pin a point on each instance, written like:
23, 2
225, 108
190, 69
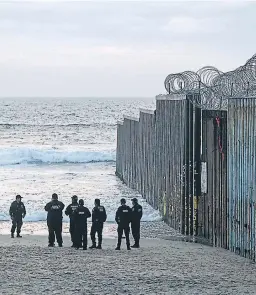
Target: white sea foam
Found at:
27, 155
37, 216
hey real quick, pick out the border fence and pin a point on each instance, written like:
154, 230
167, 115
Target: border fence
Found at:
194, 157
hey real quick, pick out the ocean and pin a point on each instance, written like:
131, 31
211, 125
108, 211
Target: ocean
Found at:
66, 146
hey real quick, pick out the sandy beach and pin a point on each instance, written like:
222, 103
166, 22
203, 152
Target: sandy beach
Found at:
160, 266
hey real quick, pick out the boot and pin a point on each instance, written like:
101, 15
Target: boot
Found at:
50, 245
99, 247
93, 246
128, 248
12, 235
19, 236
135, 246
117, 248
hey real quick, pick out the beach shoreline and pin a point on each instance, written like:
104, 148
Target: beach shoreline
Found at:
149, 229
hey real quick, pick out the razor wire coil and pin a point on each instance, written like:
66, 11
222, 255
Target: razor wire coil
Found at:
209, 88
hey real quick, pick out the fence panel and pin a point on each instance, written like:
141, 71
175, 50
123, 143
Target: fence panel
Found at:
169, 158
241, 176
213, 202
146, 155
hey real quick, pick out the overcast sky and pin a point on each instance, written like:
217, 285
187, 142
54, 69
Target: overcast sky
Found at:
117, 48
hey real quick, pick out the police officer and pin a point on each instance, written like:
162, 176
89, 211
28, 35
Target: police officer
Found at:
54, 220
123, 219
17, 212
70, 212
135, 222
99, 216
80, 218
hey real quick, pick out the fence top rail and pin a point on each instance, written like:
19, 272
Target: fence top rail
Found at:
242, 98
171, 97
151, 112
241, 103
131, 118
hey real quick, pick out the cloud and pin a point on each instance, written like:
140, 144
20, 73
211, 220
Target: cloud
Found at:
190, 25
140, 42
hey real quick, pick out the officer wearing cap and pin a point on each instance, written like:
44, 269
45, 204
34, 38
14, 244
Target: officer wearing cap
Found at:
81, 214
123, 219
17, 212
135, 222
70, 212
99, 216
54, 220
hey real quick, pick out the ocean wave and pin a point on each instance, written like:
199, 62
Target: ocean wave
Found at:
9, 125
26, 155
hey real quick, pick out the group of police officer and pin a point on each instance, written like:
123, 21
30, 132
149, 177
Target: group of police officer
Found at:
78, 215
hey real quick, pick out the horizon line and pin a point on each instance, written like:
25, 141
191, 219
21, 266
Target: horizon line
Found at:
77, 96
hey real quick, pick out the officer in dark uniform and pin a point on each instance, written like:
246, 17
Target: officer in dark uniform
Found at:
123, 219
135, 222
99, 216
54, 220
80, 218
70, 212
17, 212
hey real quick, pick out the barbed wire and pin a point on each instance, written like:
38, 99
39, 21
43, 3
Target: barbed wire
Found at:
210, 88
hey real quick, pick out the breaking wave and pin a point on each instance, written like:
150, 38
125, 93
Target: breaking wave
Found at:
101, 125
14, 156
